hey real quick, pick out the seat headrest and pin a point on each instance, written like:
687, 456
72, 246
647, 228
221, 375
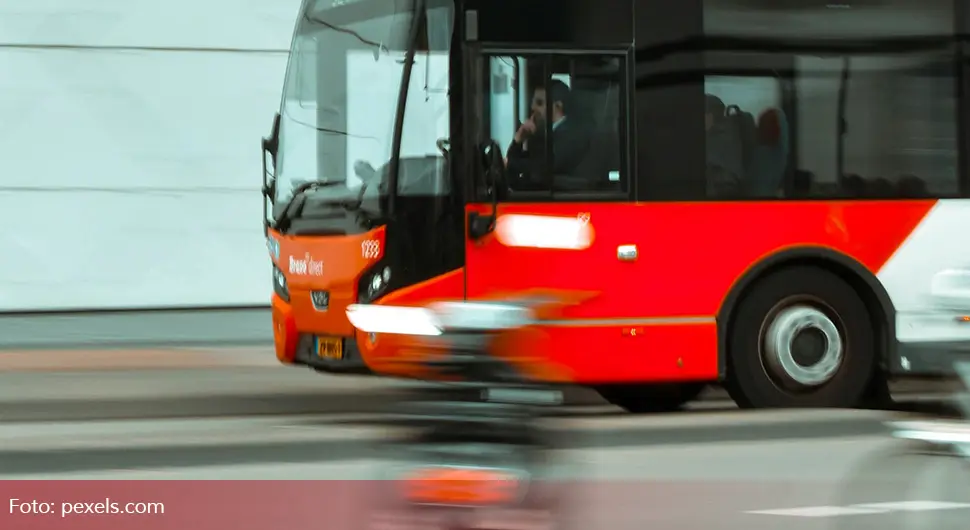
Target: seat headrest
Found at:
770, 123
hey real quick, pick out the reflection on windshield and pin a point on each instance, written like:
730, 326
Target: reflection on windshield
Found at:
370, 115
341, 93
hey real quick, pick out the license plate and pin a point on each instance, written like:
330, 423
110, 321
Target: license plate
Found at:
330, 348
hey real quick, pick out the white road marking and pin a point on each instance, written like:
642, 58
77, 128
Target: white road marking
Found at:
914, 506
862, 509
818, 511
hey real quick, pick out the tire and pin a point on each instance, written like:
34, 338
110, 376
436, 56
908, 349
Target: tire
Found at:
666, 397
756, 378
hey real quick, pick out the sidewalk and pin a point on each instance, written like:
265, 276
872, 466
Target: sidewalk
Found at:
82, 385
136, 359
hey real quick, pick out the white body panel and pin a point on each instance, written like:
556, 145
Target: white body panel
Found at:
928, 278
131, 176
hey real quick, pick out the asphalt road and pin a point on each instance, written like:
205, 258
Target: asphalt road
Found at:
712, 467
130, 385
248, 419
780, 481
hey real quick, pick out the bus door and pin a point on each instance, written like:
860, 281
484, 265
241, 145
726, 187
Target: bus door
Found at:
554, 215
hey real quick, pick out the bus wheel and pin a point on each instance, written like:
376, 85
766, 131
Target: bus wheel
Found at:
801, 338
651, 397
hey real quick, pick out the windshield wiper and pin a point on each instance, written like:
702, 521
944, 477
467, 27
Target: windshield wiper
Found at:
379, 45
294, 205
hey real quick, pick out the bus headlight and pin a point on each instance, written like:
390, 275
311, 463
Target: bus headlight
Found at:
374, 284
279, 284
274, 248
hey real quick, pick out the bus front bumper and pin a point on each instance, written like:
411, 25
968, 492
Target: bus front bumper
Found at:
324, 353
350, 361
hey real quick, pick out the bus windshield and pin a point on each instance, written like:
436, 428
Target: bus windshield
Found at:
340, 98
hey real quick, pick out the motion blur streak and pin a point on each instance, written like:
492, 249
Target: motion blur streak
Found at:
544, 231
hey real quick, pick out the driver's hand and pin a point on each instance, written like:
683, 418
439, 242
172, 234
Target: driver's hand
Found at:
364, 169
527, 129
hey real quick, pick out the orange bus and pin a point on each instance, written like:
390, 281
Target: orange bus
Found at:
755, 193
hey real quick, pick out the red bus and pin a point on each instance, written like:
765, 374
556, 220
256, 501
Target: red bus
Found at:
763, 194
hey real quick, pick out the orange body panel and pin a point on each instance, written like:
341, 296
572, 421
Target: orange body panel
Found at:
344, 259
285, 335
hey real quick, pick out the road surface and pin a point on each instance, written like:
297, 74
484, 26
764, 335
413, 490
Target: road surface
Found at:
236, 415
62, 385
663, 475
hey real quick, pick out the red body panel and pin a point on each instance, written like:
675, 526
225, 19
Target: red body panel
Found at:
690, 256
651, 319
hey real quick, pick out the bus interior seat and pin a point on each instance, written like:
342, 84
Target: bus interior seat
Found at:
769, 156
802, 183
597, 105
602, 158
911, 186
746, 128
853, 186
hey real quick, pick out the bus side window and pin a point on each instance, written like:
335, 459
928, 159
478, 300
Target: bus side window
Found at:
511, 92
503, 101
746, 136
557, 119
586, 126
855, 125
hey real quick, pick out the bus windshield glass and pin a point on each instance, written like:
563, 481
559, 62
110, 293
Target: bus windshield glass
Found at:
340, 98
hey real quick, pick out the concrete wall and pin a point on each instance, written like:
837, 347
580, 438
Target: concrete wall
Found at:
129, 144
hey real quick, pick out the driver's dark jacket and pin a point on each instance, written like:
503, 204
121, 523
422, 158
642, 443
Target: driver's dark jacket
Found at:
526, 167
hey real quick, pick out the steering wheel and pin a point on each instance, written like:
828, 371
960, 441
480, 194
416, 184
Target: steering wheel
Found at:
443, 145
425, 181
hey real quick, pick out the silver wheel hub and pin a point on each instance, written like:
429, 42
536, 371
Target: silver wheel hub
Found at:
779, 341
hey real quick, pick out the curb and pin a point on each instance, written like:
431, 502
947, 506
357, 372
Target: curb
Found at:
296, 403
375, 400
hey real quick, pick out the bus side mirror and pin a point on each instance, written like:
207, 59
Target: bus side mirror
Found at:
493, 166
270, 145
269, 189
494, 171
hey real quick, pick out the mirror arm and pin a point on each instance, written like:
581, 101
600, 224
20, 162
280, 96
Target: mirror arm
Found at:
480, 225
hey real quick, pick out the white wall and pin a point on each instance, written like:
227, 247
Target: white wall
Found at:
131, 171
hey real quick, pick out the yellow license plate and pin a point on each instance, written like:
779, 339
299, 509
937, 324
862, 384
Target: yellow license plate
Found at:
330, 348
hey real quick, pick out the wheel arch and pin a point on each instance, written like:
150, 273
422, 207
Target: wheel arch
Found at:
882, 312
